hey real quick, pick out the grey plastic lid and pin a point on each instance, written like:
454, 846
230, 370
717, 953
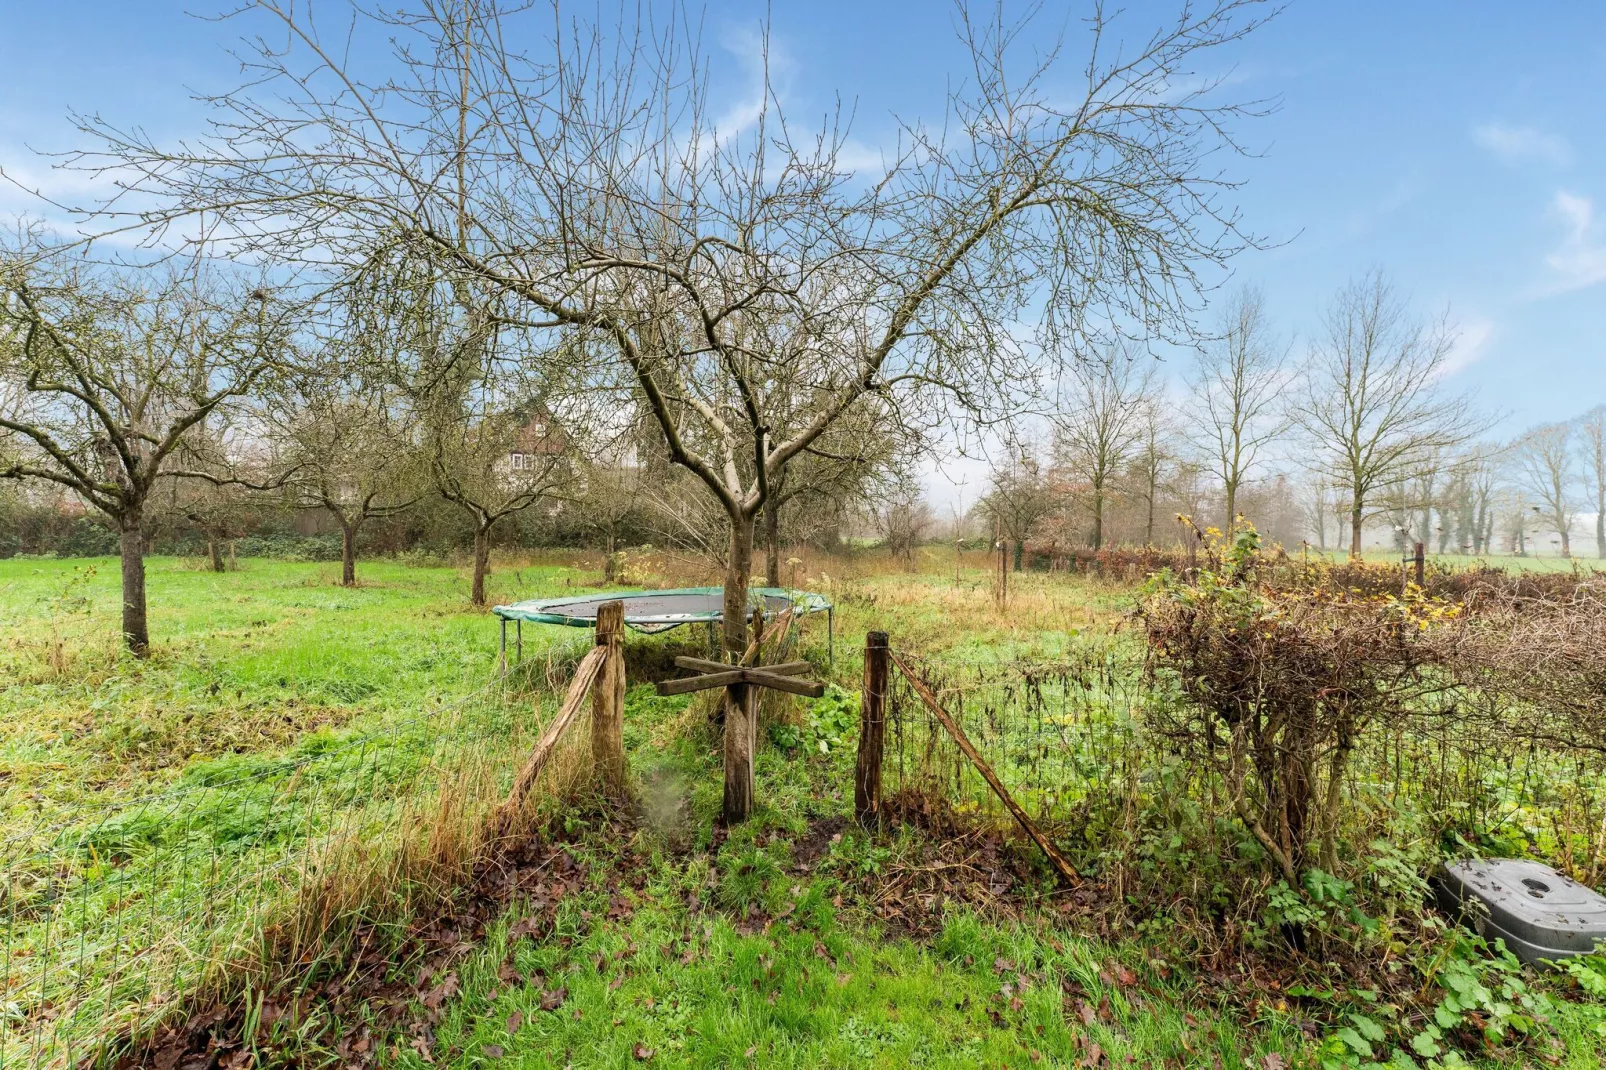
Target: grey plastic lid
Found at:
1537, 911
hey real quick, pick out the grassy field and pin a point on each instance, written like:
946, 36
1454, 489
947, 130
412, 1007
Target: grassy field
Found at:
677, 945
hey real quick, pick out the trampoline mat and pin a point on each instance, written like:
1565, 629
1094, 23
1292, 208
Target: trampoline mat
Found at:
655, 611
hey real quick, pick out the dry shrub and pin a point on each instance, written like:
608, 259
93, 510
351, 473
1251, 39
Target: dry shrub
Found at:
1475, 586
1278, 686
1530, 660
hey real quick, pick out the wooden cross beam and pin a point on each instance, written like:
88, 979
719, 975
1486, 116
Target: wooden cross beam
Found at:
719, 674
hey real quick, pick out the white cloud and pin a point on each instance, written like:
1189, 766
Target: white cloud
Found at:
1580, 261
1471, 345
765, 68
1522, 143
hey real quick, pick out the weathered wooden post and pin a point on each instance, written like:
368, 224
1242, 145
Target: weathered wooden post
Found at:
872, 730
608, 701
1419, 564
741, 684
740, 710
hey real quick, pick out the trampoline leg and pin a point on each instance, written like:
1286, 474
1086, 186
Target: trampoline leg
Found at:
501, 656
518, 641
830, 636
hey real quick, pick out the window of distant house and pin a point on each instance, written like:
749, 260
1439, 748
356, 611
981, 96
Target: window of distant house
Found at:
520, 461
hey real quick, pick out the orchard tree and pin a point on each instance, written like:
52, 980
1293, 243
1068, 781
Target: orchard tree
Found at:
111, 372
904, 520
1373, 404
753, 287
494, 464
344, 444
1019, 497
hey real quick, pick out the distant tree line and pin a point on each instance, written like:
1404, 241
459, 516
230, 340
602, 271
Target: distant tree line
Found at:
1358, 437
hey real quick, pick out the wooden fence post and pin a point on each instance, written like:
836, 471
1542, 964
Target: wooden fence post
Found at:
1419, 563
872, 730
741, 714
608, 701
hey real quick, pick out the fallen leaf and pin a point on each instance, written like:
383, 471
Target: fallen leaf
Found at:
492, 1051
1274, 1061
441, 992
551, 1001
514, 1020
642, 1052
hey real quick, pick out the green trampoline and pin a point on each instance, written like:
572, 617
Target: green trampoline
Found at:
659, 611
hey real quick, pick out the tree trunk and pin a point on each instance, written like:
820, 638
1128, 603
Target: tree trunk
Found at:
1355, 514
772, 541
1148, 523
216, 554
739, 729
1098, 518
131, 543
1600, 527
1566, 542
1020, 554
348, 553
482, 562
1232, 509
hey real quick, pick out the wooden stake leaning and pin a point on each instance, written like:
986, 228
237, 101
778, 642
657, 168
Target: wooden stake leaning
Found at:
585, 674
1061, 864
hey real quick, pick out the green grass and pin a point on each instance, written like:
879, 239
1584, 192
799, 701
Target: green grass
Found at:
269, 672
247, 662
659, 952
1535, 562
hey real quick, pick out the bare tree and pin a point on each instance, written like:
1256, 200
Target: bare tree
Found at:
110, 374
1236, 404
341, 438
868, 449
1102, 425
905, 521
1151, 459
215, 499
1017, 499
1318, 502
1545, 459
1592, 426
730, 267
493, 463
1373, 403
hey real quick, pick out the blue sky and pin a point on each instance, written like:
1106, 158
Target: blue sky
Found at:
1459, 146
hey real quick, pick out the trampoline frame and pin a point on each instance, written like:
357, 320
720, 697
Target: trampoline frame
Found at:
808, 601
